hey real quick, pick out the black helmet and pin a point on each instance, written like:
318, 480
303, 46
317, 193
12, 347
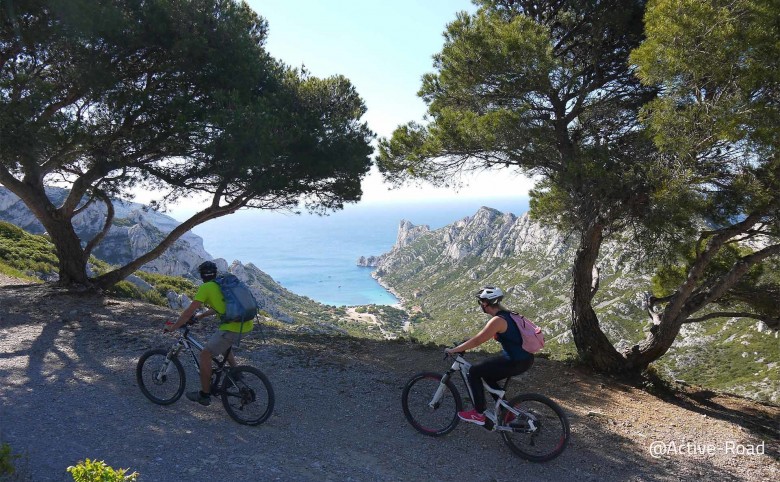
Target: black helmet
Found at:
207, 270
490, 294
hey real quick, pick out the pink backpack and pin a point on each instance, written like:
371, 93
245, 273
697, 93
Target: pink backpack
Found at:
533, 340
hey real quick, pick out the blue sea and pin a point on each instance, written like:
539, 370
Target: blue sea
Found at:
316, 256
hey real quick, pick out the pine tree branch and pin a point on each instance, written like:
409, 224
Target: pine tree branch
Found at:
773, 323
97, 194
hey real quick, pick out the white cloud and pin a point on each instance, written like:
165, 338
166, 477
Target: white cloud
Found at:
488, 184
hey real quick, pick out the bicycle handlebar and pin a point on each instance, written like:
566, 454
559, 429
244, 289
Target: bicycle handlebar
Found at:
192, 321
453, 355
454, 344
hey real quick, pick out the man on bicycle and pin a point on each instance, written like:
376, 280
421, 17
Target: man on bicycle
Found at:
210, 295
513, 360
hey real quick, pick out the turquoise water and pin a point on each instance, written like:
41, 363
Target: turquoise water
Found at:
316, 256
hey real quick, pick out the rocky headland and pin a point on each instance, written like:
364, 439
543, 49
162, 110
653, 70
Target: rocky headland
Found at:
437, 271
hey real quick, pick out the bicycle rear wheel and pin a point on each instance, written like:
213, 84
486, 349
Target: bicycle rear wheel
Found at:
541, 431
430, 406
160, 379
247, 395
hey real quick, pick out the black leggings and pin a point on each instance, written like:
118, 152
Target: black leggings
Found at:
492, 370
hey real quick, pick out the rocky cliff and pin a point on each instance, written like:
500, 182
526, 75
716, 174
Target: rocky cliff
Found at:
436, 273
407, 233
135, 230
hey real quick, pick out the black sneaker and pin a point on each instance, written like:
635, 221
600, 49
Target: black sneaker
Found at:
197, 396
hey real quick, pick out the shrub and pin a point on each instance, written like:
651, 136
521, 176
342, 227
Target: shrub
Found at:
155, 298
122, 222
13, 272
14, 467
98, 471
164, 283
125, 289
7, 461
26, 252
10, 231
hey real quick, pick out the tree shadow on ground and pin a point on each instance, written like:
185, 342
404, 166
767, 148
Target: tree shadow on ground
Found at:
589, 400
761, 420
342, 393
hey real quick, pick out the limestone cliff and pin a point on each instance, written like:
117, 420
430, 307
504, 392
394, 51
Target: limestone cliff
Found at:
436, 273
407, 233
135, 230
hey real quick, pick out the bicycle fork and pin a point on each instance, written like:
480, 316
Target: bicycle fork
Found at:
167, 367
436, 400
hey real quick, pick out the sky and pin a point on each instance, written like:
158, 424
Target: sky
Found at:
383, 47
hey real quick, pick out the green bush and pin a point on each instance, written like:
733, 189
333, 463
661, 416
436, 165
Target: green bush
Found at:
7, 461
164, 283
122, 222
126, 289
10, 231
14, 467
155, 298
13, 272
26, 252
99, 267
98, 471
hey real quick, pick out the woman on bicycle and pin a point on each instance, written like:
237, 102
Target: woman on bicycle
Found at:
513, 360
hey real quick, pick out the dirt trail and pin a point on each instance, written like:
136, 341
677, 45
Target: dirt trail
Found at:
68, 391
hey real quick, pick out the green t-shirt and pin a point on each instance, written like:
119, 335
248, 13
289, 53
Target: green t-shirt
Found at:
210, 295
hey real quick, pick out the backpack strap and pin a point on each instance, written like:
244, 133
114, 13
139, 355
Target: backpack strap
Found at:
241, 330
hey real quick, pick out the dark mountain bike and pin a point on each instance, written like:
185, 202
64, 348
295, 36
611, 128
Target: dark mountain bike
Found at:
245, 391
532, 425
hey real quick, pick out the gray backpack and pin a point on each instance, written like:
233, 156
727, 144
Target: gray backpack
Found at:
240, 303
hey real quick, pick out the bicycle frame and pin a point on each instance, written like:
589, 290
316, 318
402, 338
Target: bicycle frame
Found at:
185, 341
462, 366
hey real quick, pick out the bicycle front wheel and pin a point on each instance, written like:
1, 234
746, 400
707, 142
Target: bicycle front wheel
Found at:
247, 395
540, 432
161, 379
430, 404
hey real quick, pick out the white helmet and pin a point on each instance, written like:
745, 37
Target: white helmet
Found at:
490, 294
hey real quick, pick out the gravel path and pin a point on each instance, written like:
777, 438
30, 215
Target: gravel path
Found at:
68, 392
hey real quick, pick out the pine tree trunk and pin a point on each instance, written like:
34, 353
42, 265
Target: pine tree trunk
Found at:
593, 347
654, 346
72, 262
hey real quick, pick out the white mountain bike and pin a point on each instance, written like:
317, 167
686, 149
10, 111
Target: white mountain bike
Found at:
532, 425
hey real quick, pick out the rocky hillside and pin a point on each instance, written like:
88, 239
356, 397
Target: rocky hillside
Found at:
135, 230
32, 257
437, 272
